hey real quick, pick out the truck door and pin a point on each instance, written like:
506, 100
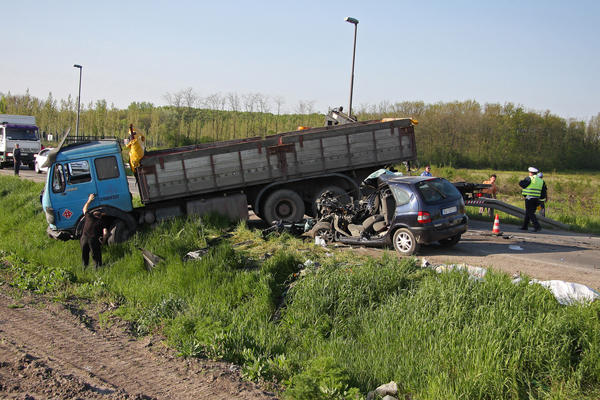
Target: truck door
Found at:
111, 182
72, 184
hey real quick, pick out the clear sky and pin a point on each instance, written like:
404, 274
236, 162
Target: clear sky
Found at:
544, 55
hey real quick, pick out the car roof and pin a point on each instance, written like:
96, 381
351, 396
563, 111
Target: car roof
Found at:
406, 179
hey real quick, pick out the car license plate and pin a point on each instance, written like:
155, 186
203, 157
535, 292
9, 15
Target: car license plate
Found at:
449, 210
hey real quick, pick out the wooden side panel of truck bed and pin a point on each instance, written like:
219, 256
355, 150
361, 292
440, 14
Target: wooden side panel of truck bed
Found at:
237, 164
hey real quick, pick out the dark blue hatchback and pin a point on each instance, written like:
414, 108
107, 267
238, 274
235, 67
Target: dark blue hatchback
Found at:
426, 210
403, 211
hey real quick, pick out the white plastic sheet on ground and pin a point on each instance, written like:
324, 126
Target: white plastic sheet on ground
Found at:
566, 293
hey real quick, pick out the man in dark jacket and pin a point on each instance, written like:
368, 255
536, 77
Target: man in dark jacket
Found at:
17, 158
94, 227
532, 191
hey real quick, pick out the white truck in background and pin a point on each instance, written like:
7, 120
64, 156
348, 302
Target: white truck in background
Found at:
21, 130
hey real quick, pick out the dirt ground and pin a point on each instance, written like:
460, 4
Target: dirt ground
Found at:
53, 351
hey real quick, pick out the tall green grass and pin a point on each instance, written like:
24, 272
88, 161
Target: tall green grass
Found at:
329, 331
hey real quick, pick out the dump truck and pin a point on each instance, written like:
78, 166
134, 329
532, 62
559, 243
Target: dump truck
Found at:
279, 176
21, 130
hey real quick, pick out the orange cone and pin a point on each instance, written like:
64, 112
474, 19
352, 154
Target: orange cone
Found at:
496, 228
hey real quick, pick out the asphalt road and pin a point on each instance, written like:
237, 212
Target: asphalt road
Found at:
548, 254
545, 255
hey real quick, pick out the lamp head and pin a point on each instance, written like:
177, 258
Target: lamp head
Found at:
77, 66
351, 20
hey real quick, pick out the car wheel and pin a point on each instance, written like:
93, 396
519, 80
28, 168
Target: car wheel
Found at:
451, 241
405, 242
283, 205
323, 230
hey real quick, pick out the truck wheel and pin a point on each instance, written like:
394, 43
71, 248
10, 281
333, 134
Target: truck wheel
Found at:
31, 166
285, 205
119, 232
405, 242
338, 191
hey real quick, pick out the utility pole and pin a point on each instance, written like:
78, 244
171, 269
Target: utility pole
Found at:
79, 102
353, 21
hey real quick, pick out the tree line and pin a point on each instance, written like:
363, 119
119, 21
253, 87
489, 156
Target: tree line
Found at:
460, 134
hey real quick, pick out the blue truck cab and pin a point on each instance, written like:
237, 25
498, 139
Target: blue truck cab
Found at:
77, 170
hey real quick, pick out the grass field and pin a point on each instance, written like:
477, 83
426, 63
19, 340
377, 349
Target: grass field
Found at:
321, 324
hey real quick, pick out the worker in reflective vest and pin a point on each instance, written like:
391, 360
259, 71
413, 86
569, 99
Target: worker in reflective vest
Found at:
532, 190
136, 149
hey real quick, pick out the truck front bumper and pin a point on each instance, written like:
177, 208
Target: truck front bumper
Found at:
59, 235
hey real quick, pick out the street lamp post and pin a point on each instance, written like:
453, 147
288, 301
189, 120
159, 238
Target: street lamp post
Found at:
353, 21
79, 101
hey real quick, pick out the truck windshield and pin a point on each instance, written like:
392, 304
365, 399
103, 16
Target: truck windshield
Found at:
21, 134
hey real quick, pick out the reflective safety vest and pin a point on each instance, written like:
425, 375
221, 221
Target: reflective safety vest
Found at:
535, 187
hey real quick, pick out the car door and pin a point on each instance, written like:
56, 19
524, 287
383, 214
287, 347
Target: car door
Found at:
406, 205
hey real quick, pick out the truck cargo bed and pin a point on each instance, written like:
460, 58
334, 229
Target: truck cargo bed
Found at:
242, 163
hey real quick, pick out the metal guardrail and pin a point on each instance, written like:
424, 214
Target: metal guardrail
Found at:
512, 210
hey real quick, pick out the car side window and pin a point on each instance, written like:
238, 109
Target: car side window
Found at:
400, 195
58, 179
78, 172
106, 168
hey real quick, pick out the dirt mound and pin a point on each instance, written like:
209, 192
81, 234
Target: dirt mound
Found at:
49, 351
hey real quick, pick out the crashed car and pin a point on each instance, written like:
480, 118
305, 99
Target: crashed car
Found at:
400, 211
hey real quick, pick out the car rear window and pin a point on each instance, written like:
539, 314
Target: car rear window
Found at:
434, 190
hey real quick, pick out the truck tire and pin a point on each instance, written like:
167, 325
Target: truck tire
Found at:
338, 191
119, 232
283, 204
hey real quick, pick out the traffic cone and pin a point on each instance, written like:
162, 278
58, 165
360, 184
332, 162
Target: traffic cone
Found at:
496, 228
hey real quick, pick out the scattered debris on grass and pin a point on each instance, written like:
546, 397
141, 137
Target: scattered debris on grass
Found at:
294, 228
150, 259
386, 391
